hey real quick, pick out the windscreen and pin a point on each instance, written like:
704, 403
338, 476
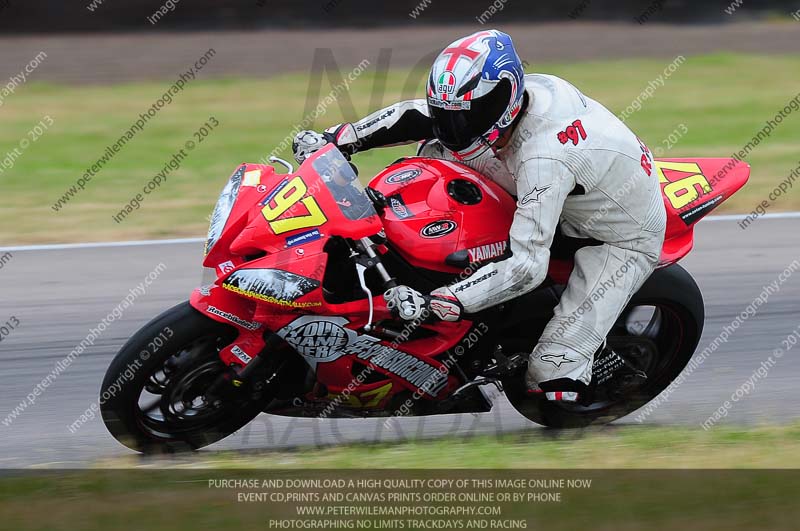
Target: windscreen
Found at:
343, 184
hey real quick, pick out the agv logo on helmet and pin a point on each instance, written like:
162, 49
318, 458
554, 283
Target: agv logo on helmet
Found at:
447, 83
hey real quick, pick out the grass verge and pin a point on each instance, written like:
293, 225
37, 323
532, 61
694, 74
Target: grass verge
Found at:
607, 447
695, 497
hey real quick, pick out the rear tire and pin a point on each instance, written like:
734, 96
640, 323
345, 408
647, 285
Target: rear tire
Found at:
131, 376
676, 295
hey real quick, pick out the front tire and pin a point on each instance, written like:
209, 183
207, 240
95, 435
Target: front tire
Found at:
673, 329
185, 364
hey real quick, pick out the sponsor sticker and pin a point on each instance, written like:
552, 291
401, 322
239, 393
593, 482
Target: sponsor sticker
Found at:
402, 176
318, 338
693, 214
241, 354
326, 339
252, 178
206, 290
226, 267
274, 192
249, 325
399, 207
487, 252
437, 229
303, 237
275, 286
457, 105
409, 368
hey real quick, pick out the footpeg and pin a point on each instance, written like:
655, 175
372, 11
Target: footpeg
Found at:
449, 403
506, 366
477, 382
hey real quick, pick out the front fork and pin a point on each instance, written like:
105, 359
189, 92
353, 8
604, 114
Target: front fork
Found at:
254, 378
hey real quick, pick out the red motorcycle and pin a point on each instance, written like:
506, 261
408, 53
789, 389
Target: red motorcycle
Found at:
294, 322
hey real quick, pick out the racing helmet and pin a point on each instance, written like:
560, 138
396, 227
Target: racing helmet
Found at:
475, 91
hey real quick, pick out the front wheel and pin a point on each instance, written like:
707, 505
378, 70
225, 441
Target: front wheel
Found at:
154, 393
657, 334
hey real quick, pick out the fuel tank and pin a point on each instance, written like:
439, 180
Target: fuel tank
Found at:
442, 215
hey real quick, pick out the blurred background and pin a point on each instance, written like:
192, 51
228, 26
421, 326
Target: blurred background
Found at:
96, 65
98, 98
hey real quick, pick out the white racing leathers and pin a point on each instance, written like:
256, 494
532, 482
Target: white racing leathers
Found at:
571, 162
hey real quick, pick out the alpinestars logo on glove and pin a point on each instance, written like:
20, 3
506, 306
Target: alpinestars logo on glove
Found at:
446, 311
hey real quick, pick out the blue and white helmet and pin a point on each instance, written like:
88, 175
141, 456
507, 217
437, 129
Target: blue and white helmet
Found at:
475, 91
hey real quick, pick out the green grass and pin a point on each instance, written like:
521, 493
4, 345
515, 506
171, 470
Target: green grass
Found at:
694, 497
722, 99
609, 447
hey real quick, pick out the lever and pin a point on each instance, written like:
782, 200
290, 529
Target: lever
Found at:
360, 270
289, 167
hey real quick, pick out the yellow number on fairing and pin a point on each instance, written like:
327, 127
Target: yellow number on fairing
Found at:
688, 185
291, 194
376, 394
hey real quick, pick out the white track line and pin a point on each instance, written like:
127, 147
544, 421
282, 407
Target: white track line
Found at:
93, 245
739, 217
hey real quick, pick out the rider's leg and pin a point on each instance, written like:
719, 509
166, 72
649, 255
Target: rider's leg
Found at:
604, 279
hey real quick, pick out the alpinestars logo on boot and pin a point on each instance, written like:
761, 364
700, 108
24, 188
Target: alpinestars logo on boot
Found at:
556, 359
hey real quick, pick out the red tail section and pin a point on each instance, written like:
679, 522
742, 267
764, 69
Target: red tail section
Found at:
692, 188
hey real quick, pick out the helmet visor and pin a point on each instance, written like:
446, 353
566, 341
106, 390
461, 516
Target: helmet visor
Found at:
458, 129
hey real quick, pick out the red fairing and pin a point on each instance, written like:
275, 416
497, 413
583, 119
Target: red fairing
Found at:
264, 194
437, 208
419, 193
269, 260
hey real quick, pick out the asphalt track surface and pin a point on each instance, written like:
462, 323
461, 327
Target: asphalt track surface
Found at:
58, 295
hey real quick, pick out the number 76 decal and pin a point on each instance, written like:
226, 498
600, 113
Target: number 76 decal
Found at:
287, 197
681, 192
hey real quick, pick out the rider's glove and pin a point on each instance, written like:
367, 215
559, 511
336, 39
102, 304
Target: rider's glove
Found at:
306, 143
410, 305
343, 136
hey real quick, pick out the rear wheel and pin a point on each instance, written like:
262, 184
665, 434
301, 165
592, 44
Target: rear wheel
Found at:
159, 400
657, 334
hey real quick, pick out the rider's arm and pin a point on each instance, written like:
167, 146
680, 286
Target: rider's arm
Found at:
542, 187
401, 123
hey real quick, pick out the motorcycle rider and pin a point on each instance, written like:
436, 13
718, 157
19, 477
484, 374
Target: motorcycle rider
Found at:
565, 158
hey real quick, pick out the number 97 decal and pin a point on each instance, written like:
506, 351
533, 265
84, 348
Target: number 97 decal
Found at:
681, 192
285, 200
